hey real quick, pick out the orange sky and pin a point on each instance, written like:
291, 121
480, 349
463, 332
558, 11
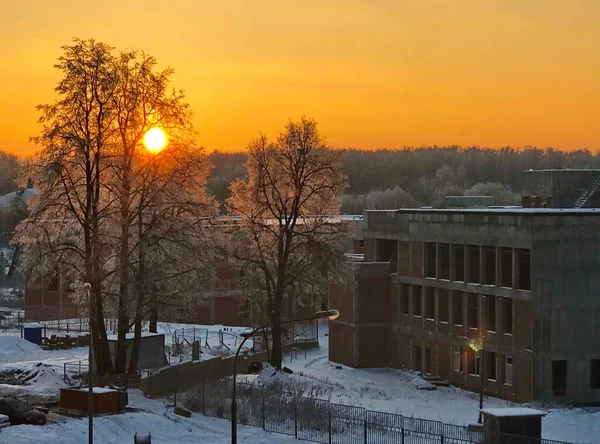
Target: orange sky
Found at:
374, 73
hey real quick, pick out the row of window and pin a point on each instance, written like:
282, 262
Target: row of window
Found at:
464, 359
421, 301
485, 265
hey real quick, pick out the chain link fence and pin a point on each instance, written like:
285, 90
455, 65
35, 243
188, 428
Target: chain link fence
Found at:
324, 422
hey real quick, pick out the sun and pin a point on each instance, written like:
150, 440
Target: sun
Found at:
155, 140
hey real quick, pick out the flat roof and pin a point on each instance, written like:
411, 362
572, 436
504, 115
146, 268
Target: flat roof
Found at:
562, 170
496, 210
512, 411
145, 334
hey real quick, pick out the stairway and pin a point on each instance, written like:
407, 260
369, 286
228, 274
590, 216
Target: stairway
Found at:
436, 381
587, 194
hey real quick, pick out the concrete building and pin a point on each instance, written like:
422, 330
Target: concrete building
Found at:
566, 188
525, 280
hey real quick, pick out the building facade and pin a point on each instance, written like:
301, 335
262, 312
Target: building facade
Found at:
525, 281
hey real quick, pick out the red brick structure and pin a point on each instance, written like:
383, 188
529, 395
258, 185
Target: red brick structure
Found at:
48, 298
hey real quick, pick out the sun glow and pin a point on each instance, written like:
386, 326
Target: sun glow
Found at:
155, 140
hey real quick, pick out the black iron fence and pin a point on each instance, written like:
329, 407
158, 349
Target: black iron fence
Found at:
324, 422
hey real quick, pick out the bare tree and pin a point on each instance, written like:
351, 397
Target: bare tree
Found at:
142, 101
67, 216
288, 205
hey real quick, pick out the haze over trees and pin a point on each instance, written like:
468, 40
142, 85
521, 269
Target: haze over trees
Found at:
424, 176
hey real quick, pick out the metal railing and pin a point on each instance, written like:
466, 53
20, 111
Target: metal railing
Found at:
320, 421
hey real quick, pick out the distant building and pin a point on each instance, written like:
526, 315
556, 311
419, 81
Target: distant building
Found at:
220, 302
526, 279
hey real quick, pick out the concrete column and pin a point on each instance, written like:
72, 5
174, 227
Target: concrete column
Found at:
481, 265
515, 275
467, 267
438, 260
498, 267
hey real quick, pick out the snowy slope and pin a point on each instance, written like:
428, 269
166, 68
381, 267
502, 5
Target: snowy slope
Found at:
153, 417
396, 391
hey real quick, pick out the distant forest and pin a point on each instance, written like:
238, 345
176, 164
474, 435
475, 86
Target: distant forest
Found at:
400, 178
423, 176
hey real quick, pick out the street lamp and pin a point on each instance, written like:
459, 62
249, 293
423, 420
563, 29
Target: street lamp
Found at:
478, 346
88, 286
331, 314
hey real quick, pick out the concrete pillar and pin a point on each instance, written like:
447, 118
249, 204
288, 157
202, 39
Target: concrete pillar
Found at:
481, 265
498, 267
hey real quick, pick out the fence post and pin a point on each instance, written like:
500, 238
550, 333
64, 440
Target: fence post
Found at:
365, 427
441, 439
403, 435
296, 419
330, 432
203, 399
263, 412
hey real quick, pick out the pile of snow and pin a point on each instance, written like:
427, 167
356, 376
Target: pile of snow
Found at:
13, 347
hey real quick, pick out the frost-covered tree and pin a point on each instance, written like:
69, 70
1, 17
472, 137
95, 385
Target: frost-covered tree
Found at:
289, 235
112, 212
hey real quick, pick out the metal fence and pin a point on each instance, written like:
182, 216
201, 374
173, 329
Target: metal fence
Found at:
320, 421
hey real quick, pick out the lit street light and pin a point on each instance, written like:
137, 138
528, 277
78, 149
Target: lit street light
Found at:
331, 314
478, 346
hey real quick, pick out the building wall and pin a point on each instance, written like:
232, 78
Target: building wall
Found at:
537, 282
566, 285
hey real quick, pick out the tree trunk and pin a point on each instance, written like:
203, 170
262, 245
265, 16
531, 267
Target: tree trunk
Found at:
141, 288
137, 340
277, 354
153, 327
123, 322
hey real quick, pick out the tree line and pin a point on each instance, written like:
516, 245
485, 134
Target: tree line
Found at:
423, 176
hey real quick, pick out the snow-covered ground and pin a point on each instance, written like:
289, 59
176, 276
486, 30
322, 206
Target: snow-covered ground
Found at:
44, 368
389, 390
153, 417
397, 391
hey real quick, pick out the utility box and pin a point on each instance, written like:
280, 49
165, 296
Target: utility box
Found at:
33, 333
524, 422
106, 401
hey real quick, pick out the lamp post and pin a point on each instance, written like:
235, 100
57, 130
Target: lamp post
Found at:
331, 314
88, 286
478, 346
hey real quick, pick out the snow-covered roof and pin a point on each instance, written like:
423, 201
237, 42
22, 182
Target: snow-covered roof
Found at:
97, 390
33, 325
495, 210
145, 334
563, 170
8, 199
512, 411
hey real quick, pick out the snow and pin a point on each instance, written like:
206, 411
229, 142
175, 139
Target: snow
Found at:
506, 210
397, 391
144, 334
98, 390
513, 411
153, 417
33, 325
387, 390
12, 347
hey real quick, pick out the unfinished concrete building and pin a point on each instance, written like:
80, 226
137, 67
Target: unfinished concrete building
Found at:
525, 280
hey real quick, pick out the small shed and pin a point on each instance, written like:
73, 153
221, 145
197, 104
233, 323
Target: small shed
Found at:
152, 349
520, 421
33, 333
